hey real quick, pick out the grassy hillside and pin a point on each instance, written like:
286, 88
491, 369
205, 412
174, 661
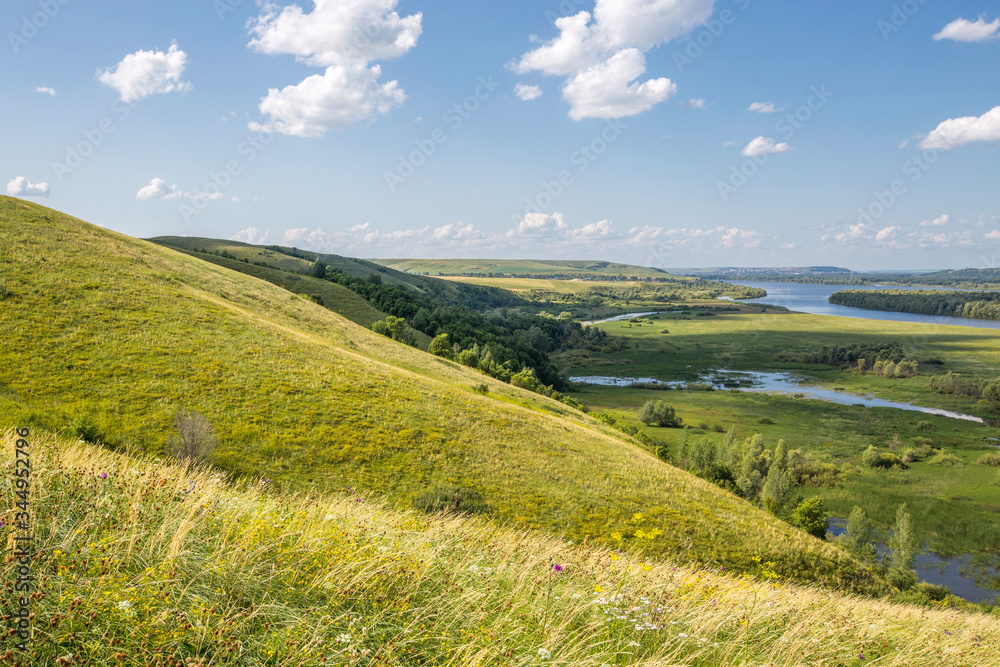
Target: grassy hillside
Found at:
523, 268
125, 332
142, 564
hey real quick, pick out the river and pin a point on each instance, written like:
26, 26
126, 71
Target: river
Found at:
814, 299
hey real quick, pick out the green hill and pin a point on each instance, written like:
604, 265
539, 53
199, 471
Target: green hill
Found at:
141, 563
124, 333
524, 268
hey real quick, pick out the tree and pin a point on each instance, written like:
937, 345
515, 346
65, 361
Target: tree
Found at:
441, 347
859, 538
810, 516
193, 439
777, 492
902, 552
318, 269
753, 468
872, 458
397, 329
781, 455
659, 414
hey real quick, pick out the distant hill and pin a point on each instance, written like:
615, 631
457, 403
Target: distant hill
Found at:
109, 336
525, 268
735, 272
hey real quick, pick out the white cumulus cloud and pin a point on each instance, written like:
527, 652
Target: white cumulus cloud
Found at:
956, 132
22, 187
962, 30
765, 146
605, 90
252, 235
144, 73
526, 92
762, 107
46, 90
158, 189
936, 222
343, 36
602, 54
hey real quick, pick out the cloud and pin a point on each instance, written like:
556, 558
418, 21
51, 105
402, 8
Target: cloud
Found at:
601, 54
765, 146
342, 96
22, 187
144, 73
961, 30
993, 236
45, 90
936, 222
251, 235
527, 93
956, 132
862, 236
695, 103
344, 37
762, 107
158, 189
604, 90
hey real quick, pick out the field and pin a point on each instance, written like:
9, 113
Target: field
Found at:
141, 563
123, 333
955, 508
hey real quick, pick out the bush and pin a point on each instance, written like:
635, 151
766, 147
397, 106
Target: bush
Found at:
944, 458
872, 458
318, 269
932, 592
659, 414
397, 329
481, 388
441, 347
452, 499
926, 426
990, 459
767, 421
84, 428
5, 293
468, 358
810, 516
318, 300
193, 439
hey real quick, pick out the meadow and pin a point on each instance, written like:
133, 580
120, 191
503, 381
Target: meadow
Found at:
140, 562
121, 334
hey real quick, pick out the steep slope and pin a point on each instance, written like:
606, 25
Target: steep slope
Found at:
96, 324
142, 564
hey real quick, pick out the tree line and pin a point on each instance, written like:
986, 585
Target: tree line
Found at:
976, 305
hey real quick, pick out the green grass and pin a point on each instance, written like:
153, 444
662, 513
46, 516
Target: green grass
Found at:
128, 332
141, 563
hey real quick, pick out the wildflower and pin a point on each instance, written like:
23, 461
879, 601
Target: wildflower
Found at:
543, 654
861, 656
344, 638
557, 568
104, 475
124, 604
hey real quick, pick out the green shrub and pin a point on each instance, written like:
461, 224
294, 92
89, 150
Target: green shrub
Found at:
5, 293
932, 592
481, 388
441, 347
719, 428
924, 450
990, 459
767, 421
944, 458
872, 458
318, 300
397, 329
921, 441
810, 516
926, 426
604, 418
468, 358
452, 499
84, 428
659, 414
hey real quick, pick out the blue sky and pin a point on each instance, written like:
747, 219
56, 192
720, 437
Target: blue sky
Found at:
421, 128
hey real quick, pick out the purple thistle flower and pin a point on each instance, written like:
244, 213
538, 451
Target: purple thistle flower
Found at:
104, 475
862, 656
557, 568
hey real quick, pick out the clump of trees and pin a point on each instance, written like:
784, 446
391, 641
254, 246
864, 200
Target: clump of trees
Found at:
978, 305
397, 329
955, 383
898, 562
767, 478
882, 358
658, 413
